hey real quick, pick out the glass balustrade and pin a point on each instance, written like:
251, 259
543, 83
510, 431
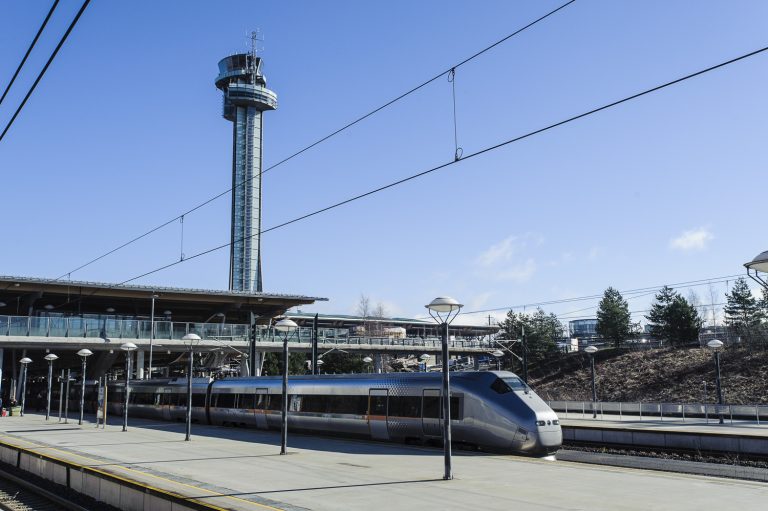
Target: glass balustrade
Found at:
113, 328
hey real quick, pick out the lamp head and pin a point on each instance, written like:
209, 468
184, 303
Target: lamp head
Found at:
443, 305
85, 352
26, 360
591, 350
759, 263
191, 339
497, 353
50, 357
286, 325
715, 345
367, 360
128, 346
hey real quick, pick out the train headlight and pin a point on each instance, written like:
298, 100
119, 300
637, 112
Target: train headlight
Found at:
540, 423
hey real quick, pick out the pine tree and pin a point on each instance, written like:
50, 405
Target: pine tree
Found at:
542, 331
613, 323
743, 313
673, 318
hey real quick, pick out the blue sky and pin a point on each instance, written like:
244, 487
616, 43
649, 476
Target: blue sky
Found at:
125, 131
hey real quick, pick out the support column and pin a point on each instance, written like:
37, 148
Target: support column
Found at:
378, 363
139, 366
258, 362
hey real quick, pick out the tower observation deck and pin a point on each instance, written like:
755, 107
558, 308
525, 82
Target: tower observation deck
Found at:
246, 97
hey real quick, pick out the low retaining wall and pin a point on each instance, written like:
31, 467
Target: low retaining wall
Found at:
706, 442
101, 486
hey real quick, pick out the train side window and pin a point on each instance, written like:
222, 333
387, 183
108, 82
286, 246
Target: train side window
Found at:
225, 401
275, 402
313, 403
245, 401
456, 408
198, 400
378, 405
405, 406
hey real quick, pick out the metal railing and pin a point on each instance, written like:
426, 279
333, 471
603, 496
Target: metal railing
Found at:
106, 327
660, 411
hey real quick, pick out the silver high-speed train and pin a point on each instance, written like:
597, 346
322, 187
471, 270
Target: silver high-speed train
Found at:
490, 410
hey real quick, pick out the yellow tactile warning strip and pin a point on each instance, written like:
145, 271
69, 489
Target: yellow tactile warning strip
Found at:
5, 441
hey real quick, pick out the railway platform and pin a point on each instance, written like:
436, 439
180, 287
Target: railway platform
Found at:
733, 437
241, 469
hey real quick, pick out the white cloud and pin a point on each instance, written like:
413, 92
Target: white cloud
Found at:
505, 260
500, 252
695, 239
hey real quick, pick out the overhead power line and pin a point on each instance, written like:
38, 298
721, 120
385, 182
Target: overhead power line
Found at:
318, 142
45, 68
454, 162
29, 50
628, 294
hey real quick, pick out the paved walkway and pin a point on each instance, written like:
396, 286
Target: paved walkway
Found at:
241, 469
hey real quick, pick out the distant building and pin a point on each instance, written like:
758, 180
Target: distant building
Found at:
585, 330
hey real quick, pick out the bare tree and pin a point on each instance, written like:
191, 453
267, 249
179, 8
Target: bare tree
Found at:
379, 313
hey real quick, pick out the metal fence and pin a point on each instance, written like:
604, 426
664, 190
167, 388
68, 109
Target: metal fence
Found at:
659, 411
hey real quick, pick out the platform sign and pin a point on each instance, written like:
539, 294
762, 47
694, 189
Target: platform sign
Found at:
100, 405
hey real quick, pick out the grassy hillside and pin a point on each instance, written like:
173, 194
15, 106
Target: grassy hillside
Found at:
667, 375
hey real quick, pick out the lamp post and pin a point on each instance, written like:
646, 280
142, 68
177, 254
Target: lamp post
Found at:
191, 340
498, 354
84, 354
285, 326
716, 346
592, 350
444, 310
128, 347
368, 361
50, 357
151, 333
24, 362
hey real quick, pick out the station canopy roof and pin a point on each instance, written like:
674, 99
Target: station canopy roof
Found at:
25, 296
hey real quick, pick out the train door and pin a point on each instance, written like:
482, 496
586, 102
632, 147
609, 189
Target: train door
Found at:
260, 408
377, 414
430, 413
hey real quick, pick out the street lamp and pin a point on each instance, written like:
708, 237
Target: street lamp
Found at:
285, 326
84, 353
24, 361
50, 357
151, 333
191, 340
368, 361
716, 346
444, 310
758, 264
498, 354
128, 347
592, 350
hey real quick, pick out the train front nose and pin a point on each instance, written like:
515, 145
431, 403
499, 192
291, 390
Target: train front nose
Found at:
549, 432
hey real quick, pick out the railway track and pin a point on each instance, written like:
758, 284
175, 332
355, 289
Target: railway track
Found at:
17, 494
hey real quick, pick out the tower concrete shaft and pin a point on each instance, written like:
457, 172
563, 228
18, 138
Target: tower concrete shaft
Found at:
246, 97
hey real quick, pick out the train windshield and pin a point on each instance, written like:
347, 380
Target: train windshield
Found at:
509, 384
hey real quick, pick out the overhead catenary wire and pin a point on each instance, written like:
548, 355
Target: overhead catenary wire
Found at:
29, 50
320, 140
45, 68
645, 292
463, 159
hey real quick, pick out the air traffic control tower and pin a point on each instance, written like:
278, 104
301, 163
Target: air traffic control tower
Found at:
246, 97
